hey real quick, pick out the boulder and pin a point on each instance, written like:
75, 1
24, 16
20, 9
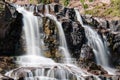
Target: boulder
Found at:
87, 54
6, 64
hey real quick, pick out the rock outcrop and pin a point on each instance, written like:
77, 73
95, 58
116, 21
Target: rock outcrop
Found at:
10, 35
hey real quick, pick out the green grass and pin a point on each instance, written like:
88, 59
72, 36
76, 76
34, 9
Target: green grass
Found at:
113, 10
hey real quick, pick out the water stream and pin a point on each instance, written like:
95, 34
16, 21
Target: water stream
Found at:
98, 46
34, 58
62, 39
63, 43
31, 30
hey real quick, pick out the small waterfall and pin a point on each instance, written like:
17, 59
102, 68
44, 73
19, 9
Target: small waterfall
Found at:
99, 48
31, 31
63, 43
47, 9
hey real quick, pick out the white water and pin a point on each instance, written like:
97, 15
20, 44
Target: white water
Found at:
44, 68
33, 56
63, 44
47, 9
54, 72
62, 39
31, 31
99, 48
32, 35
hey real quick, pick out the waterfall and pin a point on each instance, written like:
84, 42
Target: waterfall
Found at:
33, 41
31, 31
63, 43
47, 9
34, 66
98, 46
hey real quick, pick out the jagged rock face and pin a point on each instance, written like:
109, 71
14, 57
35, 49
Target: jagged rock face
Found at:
111, 30
89, 20
114, 44
115, 25
10, 41
87, 60
75, 36
87, 54
6, 64
67, 13
51, 37
115, 41
74, 32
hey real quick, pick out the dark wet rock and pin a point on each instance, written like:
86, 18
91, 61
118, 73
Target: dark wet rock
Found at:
10, 41
114, 25
111, 30
71, 14
22, 78
10, 31
10, 12
40, 8
89, 20
75, 36
62, 13
6, 64
87, 61
5, 78
57, 8
114, 44
87, 54
51, 36
96, 69
89, 78
102, 22
68, 13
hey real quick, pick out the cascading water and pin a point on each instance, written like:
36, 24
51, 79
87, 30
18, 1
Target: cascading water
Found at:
34, 66
63, 43
31, 30
99, 48
32, 40
46, 9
